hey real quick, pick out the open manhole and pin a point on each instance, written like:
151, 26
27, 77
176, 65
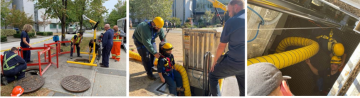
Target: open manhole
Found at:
75, 83
31, 83
32, 71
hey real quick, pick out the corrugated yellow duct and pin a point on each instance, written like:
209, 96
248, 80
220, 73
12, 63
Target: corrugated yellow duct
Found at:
178, 68
185, 79
284, 59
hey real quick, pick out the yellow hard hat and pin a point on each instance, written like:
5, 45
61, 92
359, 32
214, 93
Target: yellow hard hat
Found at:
167, 46
335, 60
159, 22
338, 49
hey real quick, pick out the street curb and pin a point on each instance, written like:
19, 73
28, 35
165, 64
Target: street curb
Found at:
30, 44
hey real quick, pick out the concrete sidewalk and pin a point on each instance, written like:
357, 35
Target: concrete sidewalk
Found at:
104, 81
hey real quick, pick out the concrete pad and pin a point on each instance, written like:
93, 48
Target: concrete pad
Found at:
158, 89
230, 87
103, 85
53, 76
111, 71
118, 65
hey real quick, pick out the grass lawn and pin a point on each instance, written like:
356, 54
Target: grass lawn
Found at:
84, 46
6, 90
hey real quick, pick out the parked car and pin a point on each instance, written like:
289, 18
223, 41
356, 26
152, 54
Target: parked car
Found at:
74, 28
122, 29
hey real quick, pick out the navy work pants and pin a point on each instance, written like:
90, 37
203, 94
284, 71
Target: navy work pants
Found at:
173, 83
147, 58
225, 69
106, 55
26, 55
16, 73
77, 49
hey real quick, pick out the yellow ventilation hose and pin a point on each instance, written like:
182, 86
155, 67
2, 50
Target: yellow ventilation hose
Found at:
178, 68
284, 59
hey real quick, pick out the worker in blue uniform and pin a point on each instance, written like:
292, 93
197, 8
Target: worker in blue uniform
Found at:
233, 62
25, 42
14, 66
107, 43
144, 38
167, 72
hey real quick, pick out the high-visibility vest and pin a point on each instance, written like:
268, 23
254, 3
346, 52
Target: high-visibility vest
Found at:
6, 65
78, 39
117, 38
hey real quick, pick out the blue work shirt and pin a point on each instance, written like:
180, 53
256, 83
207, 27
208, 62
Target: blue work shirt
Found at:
107, 39
24, 35
234, 34
14, 61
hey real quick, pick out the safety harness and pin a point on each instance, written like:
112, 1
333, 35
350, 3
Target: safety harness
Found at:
168, 67
6, 65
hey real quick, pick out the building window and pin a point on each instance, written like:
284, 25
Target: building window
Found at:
53, 26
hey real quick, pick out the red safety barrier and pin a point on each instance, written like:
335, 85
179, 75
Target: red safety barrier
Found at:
59, 45
46, 50
2, 62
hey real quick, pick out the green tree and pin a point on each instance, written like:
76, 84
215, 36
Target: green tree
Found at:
118, 13
121, 9
149, 9
56, 9
4, 12
95, 12
208, 16
113, 17
76, 10
18, 19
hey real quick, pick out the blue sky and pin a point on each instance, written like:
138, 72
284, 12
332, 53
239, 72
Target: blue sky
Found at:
110, 4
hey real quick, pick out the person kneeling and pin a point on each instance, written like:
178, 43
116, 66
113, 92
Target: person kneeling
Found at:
167, 71
14, 66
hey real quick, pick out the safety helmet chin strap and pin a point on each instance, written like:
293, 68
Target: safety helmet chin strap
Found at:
285, 89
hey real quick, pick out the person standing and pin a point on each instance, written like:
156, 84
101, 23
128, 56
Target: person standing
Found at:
25, 42
107, 43
116, 48
144, 39
233, 62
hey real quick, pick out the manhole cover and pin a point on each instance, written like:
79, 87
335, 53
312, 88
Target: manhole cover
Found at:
75, 83
31, 83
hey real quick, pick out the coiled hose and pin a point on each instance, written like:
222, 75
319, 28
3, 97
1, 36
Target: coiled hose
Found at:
178, 68
284, 59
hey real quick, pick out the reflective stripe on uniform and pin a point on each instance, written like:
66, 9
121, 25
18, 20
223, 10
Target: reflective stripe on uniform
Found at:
118, 38
6, 67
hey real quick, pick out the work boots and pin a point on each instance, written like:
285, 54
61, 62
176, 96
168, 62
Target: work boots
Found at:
151, 77
180, 91
3, 80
